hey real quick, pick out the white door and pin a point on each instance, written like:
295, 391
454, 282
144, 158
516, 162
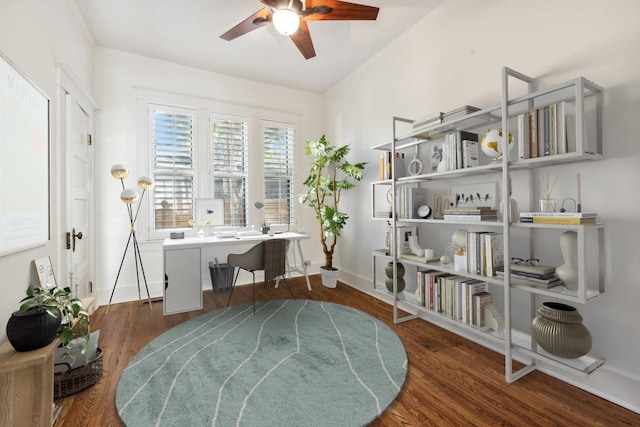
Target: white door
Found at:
79, 182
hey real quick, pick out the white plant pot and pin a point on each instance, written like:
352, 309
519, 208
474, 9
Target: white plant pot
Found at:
329, 278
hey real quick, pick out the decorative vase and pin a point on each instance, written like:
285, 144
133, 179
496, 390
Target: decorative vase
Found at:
31, 330
559, 330
388, 269
568, 272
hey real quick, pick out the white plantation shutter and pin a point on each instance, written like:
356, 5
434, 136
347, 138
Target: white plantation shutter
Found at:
229, 143
172, 132
277, 149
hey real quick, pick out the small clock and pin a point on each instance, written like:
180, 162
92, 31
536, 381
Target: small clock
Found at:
424, 211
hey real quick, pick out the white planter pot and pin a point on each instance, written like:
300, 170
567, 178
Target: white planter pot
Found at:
329, 278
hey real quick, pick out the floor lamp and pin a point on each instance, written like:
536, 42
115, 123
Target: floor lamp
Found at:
129, 196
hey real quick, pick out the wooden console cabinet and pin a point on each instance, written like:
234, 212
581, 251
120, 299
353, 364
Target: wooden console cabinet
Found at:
26, 382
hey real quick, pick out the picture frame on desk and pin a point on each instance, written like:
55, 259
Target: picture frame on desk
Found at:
209, 211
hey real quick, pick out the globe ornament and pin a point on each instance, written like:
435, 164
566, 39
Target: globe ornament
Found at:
492, 144
459, 238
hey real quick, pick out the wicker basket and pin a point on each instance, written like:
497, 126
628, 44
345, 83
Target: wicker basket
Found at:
75, 380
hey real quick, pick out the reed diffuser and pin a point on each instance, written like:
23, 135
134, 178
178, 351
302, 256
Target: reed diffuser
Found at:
548, 204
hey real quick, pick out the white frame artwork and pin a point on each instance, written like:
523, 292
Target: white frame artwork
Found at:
44, 271
24, 161
209, 210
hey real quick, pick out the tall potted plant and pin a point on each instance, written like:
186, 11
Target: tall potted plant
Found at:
329, 175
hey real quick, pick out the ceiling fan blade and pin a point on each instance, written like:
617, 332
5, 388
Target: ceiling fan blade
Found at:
341, 11
255, 21
302, 39
270, 3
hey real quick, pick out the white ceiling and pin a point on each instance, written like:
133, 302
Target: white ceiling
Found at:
188, 32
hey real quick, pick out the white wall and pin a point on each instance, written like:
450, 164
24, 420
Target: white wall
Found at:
119, 78
34, 35
454, 58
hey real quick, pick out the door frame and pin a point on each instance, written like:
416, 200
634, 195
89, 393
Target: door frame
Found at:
67, 84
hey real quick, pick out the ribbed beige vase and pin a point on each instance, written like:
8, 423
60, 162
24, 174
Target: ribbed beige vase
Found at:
559, 330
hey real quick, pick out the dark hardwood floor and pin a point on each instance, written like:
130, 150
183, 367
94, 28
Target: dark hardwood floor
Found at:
450, 382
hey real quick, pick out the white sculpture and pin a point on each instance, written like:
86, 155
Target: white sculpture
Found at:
568, 272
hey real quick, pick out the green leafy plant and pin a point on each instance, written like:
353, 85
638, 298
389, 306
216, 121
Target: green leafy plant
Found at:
52, 300
329, 175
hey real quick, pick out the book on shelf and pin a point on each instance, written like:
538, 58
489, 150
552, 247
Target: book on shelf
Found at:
427, 121
470, 210
476, 254
524, 144
432, 292
460, 138
551, 129
494, 253
541, 276
469, 289
479, 301
409, 201
471, 217
459, 112
470, 154
533, 133
543, 132
536, 269
557, 220
534, 283
559, 214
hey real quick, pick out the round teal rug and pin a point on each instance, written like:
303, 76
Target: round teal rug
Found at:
293, 363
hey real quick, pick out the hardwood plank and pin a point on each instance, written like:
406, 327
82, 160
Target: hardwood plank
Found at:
451, 381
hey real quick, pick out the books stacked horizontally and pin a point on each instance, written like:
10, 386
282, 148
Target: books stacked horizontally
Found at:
459, 112
559, 217
537, 276
427, 121
479, 213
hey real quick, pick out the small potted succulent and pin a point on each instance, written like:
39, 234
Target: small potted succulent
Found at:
46, 312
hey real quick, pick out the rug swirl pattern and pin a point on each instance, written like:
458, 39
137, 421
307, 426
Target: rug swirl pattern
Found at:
293, 363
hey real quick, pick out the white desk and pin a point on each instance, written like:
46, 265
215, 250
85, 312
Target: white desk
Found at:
186, 265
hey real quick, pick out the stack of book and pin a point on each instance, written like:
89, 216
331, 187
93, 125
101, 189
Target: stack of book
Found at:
559, 217
459, 112
479, 213
537, 276
428, 121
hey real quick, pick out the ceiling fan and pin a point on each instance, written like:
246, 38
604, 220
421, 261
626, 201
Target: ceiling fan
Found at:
290, 19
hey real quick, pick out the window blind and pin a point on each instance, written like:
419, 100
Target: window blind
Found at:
278, 143
172, 135
229, 141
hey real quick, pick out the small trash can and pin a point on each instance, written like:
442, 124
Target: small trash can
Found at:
221, 276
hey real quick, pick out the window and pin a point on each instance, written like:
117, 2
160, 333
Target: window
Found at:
199, 151
172, 133
229, 144
277, 149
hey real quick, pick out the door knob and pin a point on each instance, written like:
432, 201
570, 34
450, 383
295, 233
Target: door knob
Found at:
71, 239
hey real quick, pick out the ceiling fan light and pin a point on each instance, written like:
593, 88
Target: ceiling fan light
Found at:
286, 21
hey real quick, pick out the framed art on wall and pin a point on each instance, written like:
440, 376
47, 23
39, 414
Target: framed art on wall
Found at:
24, 162
476, 195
